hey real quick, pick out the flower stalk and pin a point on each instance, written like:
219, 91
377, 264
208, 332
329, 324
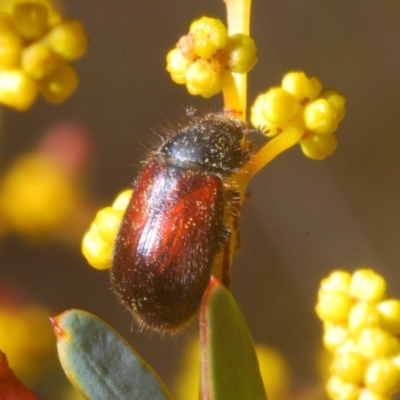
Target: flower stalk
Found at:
235, 85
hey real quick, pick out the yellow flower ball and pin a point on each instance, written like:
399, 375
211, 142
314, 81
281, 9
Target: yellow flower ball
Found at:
363, 315
303, 88
68, 39
108, 221
177, 65
333, 306
209, 36
202, 80
396, 360
279, 106
10, 47
258, 118
17, 90
37, 196
321, 117
374, 342
382, 376
350, 345
98, 242
97, 251
39, 61
334, 336
349, 366
242, 53
31, 19
389, 311
337, 281
59, 85
337, 101
54, 17
368, 286
367, 394
318, 147
339, 389
122, 200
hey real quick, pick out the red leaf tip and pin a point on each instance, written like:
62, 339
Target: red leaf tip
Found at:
56, 326
213, 282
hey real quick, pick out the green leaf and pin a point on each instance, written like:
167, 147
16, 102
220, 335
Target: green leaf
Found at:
99, 363
229, 365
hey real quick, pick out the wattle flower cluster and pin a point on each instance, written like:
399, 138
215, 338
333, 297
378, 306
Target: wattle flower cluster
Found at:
298, 105
36, 46
206, 54
37, 196
98, 242
361, 326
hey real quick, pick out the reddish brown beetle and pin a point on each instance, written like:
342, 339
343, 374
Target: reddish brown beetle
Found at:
174, 225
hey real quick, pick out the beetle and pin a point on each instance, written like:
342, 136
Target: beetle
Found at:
175, 223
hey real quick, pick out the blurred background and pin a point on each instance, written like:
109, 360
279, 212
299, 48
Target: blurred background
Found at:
303, 219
